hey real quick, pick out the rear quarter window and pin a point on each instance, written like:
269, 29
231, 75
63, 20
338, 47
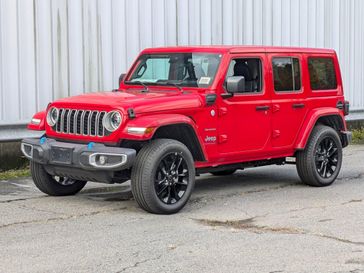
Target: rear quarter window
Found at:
286, 74
322, 73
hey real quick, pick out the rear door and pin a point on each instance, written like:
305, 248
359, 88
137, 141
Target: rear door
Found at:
244, 119
289, 105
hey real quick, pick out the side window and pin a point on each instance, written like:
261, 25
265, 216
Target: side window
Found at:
251, 70
322, 73
286, 74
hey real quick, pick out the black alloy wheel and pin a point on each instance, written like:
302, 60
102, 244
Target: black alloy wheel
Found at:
326, 157
163, 176
320, 162
65, 181
171, 179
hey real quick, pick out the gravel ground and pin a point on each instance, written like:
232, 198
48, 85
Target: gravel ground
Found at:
257, 220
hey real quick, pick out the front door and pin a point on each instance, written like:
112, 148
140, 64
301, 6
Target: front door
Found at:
244, 119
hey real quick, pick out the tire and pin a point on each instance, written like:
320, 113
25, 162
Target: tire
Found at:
158, 186
224, 172
320, 162
55, 186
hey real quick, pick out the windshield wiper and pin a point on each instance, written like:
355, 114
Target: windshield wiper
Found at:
174, 84
146, 88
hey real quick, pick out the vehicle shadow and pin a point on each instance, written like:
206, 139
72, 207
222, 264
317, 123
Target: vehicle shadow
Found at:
250, 178
246, 180
109, 193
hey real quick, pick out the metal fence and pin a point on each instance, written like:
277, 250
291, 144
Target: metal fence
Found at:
56, 48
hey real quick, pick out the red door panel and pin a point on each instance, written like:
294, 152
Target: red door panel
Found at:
244, 119
289, 107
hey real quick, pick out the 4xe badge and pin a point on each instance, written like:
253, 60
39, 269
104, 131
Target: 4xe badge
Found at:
210, 139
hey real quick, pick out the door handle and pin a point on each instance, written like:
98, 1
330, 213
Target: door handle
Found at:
298, 105
262, 108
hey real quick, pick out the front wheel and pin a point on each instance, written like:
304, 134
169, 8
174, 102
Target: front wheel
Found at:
320, 163
163, 176
54, 185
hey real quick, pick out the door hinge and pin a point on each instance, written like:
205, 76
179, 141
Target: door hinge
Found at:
276, 133
222, 111
222, 138
276, 108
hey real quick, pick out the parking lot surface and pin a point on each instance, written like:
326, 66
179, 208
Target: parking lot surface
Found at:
257, 220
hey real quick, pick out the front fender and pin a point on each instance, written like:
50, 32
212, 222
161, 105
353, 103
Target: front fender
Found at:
134, 128
311, 120
37, 122
144, 128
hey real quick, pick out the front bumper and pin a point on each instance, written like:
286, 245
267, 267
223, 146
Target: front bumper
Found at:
91, 162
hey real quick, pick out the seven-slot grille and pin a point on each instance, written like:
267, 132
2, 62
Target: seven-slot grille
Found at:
80, 122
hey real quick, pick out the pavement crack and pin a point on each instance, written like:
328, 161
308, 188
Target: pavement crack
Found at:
136, 264
308, 208
22, 199
355, 261
203, 201
250, 225
61, 218
278, 187
351, 177
39, 210
342, 240
352, 201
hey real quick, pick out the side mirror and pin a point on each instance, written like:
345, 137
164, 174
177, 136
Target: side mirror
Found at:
235, 84
121, 78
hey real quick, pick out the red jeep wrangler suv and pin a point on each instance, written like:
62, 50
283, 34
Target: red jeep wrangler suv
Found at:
182, 111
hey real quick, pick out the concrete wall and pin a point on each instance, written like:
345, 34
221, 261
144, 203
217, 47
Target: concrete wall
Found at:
56, 48
11, 156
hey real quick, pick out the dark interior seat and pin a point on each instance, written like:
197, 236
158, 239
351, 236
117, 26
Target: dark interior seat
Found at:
241, 68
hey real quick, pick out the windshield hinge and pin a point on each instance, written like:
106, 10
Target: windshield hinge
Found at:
131, 113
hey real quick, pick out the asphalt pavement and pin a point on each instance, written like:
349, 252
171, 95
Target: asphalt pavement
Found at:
257, 220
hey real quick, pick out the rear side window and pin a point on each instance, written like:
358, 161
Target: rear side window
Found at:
322, 73
287, 74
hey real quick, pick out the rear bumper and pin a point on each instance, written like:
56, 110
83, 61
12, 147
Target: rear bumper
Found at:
346, 138
92, 162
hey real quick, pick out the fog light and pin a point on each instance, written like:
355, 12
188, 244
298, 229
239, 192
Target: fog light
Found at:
107, 160
27, 150
102, 159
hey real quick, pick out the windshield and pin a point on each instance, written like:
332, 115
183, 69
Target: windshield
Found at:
181, 69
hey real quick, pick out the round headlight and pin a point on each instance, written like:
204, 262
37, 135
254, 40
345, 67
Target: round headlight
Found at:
112, 121
52, 116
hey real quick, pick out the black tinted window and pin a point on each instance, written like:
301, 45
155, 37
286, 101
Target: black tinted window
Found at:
286, 73
322, 73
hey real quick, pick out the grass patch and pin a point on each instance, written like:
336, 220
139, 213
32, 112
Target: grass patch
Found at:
12, 174
358, 136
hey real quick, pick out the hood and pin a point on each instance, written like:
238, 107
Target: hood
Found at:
141, 102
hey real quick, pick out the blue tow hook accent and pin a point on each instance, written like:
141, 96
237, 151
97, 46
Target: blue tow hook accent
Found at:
90, 145
42, 140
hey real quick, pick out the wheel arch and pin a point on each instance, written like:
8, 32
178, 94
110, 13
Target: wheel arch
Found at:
173, 126
185, 134
330, 117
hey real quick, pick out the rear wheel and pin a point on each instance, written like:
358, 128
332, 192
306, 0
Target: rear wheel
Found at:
320, 163
163, 176
54, 185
